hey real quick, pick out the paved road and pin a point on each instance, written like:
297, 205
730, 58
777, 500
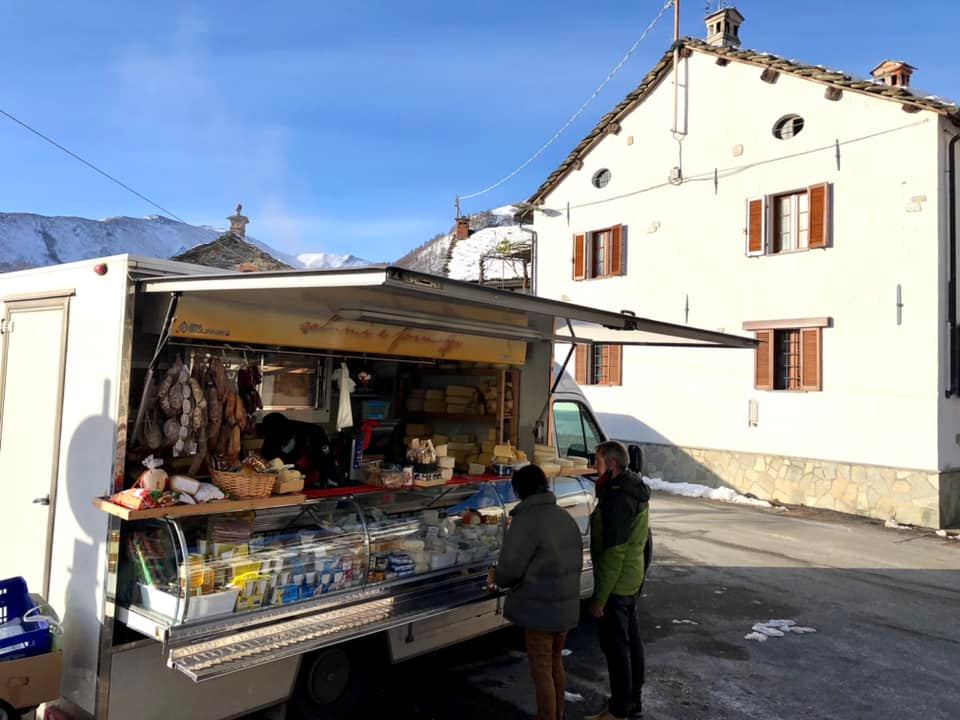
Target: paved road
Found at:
885, 604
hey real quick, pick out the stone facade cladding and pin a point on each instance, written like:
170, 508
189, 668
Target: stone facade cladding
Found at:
914, 497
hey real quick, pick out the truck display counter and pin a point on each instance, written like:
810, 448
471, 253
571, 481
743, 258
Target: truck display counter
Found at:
225, 592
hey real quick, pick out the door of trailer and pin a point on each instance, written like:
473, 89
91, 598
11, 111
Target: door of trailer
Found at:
34, 335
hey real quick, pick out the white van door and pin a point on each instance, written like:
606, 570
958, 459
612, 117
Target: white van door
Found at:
31, 388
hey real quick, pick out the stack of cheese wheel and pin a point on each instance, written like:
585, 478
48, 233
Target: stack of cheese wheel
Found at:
546, 457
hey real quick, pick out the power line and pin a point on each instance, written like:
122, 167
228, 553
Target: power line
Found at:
579, 111
90, 165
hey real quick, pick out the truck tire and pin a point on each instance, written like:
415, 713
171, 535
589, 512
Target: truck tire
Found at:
334, 683
7, 712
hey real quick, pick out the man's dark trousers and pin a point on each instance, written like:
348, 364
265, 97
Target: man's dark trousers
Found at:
621, 643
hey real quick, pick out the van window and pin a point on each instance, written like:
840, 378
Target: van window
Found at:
576, 431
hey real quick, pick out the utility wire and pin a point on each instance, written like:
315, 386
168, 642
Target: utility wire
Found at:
722, 173
90, 165
579, 111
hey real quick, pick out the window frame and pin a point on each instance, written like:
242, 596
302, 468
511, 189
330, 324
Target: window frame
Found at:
795, 226
821, 235
778, 378
586, 420
587, 375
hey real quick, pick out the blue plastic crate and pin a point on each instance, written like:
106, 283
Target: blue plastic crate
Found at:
14, 603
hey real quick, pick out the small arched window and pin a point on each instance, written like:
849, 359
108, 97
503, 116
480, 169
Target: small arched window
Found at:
787, 127
601, 178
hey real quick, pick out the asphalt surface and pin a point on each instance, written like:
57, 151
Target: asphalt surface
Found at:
884, 602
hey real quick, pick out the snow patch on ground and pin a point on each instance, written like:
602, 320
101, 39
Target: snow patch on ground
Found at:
761, 632
702, 491
894, 525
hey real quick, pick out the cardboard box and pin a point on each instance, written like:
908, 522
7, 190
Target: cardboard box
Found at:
31, 681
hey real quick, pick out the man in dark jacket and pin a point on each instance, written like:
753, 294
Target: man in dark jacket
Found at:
540, 565
619, 526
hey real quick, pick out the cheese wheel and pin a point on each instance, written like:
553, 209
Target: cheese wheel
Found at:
551, 469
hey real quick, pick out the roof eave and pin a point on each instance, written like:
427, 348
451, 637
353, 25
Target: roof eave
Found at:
662, 68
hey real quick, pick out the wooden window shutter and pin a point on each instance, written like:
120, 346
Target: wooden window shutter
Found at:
582, 364
615, 364
579, 258
763, 366
618, 250
755, 226
819, 200
811, 359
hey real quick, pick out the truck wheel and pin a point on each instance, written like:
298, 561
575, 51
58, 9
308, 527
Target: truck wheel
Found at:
333, 683
8, 713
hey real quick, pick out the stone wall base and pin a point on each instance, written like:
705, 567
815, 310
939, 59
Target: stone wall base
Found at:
914, 497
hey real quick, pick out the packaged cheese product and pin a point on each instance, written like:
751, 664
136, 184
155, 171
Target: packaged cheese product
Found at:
477, 469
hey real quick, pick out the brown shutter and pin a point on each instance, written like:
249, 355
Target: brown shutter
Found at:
755, 227
763, 366
582, 364
618, 248
811, 359
819, 200
615, 363
579, 257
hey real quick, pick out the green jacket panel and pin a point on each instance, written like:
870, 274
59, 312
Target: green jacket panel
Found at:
619, 527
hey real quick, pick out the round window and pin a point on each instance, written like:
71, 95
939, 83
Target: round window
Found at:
787, 127
601, 178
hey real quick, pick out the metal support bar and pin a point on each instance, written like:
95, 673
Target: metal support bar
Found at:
152, 368
556, 382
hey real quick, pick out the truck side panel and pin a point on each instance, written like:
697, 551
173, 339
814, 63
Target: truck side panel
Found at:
86, 454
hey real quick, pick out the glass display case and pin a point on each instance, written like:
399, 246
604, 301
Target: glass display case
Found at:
229, 591
191, 568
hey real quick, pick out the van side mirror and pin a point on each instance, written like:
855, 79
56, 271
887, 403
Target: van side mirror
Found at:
636, 458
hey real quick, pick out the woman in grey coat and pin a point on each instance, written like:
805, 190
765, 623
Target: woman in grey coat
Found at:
540, 565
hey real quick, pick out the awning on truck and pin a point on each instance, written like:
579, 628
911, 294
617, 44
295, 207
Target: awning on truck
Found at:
391, 310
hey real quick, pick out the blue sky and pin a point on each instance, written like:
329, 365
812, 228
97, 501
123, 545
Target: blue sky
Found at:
351, 127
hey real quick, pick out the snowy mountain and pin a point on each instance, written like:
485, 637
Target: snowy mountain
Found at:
325, 261
497, 251
28, 240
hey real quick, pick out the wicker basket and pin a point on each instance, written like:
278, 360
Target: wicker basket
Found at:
243, 487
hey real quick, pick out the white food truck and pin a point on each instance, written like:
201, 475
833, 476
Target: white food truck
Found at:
217, 610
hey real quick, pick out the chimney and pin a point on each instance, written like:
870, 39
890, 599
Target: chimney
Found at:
463, 228
238, 223
894, 73
723, 27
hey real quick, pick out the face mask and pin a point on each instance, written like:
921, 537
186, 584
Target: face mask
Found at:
288, 448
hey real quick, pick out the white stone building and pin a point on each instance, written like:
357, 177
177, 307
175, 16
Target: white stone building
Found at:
743, 192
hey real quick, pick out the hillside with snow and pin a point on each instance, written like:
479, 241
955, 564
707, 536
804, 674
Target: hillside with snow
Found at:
28, 240
326, 261
496, 252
